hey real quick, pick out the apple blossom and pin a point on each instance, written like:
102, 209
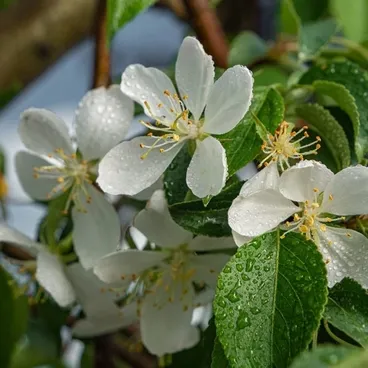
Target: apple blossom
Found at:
132, 166
102, 120
316, 199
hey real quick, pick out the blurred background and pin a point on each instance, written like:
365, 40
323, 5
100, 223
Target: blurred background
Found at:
48, 54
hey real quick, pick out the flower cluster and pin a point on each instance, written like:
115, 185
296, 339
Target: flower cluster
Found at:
163, 284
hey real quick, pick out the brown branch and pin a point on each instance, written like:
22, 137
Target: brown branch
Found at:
135, 359
209, 30
102, 52
35, 33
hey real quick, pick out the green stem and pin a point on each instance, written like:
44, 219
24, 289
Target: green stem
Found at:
351, 45
66, 244
315, 339
336, 338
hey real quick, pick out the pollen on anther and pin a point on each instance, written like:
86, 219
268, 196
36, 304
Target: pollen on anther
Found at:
330, 197
348, 235
315, 190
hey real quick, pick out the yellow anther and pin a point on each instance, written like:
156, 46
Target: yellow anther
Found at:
185, 97
330, 197
348, 235
303, 228
176, 137
167, 93
296, 217
282, 236
162, 150
141, 145
323, 227
60, 179
315, 190
159, 105
318, 138
315, 205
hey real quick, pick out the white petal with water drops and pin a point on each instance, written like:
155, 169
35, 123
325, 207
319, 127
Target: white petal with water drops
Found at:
259, 212
194, 74
96, 232
239, 239
300, 181
42, 131
102, 120
229, 100
119, 267
148, 85
346, 254
267, 178
38, 188
207, 171
156, 224
122, 171
51, 275
347, 192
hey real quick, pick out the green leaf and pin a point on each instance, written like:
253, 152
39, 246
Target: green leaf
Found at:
309, 10
120, 12
20, 317
313, 36
347, 309
355, 81
269, 75
353, 17
246, 48
333, 136
269, 300
210, 220
175, 184
88, 356
324, 357
7, 343
242, 144
218, 356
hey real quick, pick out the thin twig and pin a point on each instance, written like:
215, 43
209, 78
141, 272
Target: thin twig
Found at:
102, 53
209, 30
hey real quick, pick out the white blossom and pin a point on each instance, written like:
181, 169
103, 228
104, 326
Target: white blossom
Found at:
132, 166
317, 200
102, 120
70, 284
164, 278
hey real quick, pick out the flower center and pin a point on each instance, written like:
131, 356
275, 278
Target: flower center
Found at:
285, 145
69, 172
309, 219
170, 135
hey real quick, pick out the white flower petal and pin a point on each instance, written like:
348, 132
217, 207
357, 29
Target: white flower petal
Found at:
267, 178
349, 192
88, 288
240, 240
38, 188
122, 171
91, 327
194, 74
102, 120
156, 223
10, 235
166, 326
207, 267
143, 84
51, 275
96, 232
298, 182
120, 266
347, 255
229, 100
146, 194
207, 171
42, 131
204, 243
260, 212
